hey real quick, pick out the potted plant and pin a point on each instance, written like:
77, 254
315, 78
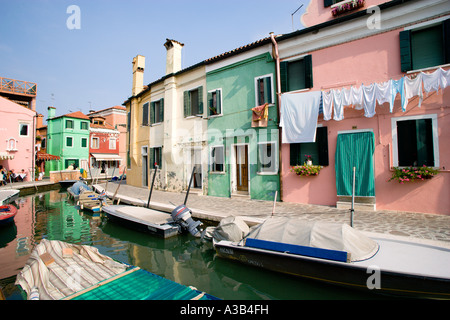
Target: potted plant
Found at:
308, 160
306, 170
408, 174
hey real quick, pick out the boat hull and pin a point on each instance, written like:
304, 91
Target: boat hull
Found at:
8, 196
7, 214
163, 230
344, 274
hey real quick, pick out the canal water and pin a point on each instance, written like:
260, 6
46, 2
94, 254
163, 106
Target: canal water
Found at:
184, 259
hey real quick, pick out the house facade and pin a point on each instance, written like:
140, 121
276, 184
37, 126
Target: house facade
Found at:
17, 138
382, 72
68, 138
166, 125
242, 113
104, 158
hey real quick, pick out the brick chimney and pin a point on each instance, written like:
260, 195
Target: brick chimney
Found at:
138, 74
173, 59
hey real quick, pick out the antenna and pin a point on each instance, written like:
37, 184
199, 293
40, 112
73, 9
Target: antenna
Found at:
292, 16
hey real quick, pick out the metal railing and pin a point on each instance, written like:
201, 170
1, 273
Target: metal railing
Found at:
17, 86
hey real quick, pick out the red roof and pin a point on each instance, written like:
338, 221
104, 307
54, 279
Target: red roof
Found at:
77, 114
45, 156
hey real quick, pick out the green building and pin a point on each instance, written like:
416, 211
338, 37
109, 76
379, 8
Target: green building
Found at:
68, 138
243, 153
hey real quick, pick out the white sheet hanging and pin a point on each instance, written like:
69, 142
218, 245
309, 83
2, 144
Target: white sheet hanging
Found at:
383, 93
327, 103
369, 100
413, 87
299, 113
357, 97
337, 103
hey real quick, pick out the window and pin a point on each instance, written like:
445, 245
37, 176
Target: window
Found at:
23, 129
263, 90
267, 157
296, 74
84, 142
214, 102
415, 141
155, 157
425, 47
317, 150
69, 142
112, 143
157, 111
43, 143
145, 114
69, 124
328, 3
84, 125
193, 102
95, 143
217, 159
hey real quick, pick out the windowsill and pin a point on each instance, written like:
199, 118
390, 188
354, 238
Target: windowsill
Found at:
156, 124
428, 69
297, 91
217, 172
340, 3
266, 173
200, 116
214, 116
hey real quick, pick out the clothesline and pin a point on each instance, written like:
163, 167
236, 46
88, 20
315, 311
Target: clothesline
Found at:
299, 111
366, 97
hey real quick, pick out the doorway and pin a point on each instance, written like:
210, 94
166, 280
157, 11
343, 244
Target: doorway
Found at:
195, 160
144, 167
241, 152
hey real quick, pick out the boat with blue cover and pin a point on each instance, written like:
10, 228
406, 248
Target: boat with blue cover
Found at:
7, 214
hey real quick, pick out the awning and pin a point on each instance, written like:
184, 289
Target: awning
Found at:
106, 157
6, 156
45, 156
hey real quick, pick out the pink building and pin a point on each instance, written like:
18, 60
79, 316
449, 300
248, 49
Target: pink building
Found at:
17, 138
382, 73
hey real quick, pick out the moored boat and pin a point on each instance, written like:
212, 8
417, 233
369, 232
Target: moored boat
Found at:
340, 255
7, 214
58, 270
66, 183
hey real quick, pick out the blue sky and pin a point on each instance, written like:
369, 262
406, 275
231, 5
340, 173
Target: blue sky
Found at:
90, 67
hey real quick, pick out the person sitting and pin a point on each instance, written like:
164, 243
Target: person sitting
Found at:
3, 176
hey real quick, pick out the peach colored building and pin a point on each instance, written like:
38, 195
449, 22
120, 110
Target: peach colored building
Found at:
383, 74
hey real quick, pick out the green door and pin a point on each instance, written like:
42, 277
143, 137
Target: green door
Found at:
355, 150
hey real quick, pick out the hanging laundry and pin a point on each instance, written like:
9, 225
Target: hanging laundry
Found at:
260, 116
439, 79
347, 97
357, 97
338, 107
298, 116
445, 78
327, 103
413, 87
383, 93
397, 86
369, 100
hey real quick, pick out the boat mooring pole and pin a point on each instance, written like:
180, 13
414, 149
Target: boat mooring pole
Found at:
274, 201
352, 210
151, 188
189, 187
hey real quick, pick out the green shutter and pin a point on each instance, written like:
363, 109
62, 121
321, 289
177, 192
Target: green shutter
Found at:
405, 50
446, 40
308, 71
427, 48
152, 113
145, 114
218, 102
322, 141
152, 158
284, 76
295, 152
187, 107
161, 110
327, 3
267, 90
209, 98
200, 100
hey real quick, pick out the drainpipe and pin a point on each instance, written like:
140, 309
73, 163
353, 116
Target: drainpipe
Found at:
278, 94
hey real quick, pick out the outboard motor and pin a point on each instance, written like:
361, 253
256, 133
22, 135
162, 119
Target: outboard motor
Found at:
182, 216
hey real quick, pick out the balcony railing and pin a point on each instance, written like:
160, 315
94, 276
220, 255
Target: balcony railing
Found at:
17, 86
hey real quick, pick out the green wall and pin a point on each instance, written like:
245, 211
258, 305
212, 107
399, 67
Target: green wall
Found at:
237, 84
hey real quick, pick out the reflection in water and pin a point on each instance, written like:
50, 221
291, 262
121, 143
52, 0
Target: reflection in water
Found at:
184, 259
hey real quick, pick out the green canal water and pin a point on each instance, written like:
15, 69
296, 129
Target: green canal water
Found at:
184, 259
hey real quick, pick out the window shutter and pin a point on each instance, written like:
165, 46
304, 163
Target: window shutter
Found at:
152, 113
308, 71
160, 158
327, 3
209, 98
283, 76
161, 110
145, 114
446, 40
267, 90
322, 140
200, 100
295, 149
187, 107
218, 102
152, 158
405, 50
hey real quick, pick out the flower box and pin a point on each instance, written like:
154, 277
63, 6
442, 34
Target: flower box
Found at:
346, 6
306, 170
403, 175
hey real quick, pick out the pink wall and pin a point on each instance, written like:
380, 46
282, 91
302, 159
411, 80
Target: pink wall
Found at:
11, 114
365, 61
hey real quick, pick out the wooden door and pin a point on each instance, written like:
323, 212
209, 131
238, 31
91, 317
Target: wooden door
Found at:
242, 168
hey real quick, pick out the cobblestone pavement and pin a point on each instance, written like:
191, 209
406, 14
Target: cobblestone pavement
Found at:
394, 223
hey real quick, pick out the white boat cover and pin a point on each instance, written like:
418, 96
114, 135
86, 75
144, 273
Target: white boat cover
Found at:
231, 228
325, 235
66, 274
